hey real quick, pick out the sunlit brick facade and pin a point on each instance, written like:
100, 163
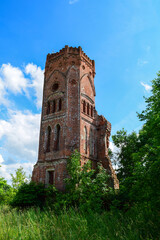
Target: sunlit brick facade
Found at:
69, 119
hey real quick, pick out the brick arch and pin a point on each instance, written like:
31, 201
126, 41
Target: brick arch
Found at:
48, 132
71, 69
56, 70
92, 86
57, 135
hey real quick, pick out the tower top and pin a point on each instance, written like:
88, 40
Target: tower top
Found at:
68, 51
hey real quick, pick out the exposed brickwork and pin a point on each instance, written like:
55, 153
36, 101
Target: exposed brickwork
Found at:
69, 120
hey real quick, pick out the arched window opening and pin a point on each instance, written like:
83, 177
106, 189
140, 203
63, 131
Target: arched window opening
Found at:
48, 107
91, 111
51, 177
85, 140
57, 138
94, 144
54, 106
55, 87
84, 106
48, 139
88, 108
60, 104
91, 142
105, 140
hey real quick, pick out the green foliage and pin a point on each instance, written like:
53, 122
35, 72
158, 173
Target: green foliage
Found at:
29, 194
127, 144
139, 156
19, 178
85, 188
6, 192
89, 193
34, 224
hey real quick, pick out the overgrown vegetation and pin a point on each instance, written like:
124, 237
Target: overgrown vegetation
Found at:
139, 156
72, 224
90, 209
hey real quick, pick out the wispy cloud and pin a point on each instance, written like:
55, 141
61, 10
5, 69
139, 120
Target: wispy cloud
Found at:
141, 62
13, 80
146, 86
21, 133
148, 48
73, 1
1, 159
37, 77
113, 147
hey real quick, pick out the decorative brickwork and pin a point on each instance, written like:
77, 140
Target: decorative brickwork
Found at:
69, 120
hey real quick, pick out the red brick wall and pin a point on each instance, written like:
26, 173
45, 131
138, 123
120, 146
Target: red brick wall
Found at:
73, 72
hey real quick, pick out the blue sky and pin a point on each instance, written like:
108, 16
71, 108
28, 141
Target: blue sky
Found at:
121, 36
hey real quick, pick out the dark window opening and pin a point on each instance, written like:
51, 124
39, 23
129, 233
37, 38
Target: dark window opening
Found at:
48, 107
91, 142
84, 106
88, 108
60, 104
48, 139
91, 111
51, 177
73, 82
57, 138
85, 140
54, 106
55, 87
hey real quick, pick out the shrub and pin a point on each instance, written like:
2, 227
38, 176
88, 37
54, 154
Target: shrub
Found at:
30, 194
6, 192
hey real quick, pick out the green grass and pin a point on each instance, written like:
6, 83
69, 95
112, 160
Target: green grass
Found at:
73, 225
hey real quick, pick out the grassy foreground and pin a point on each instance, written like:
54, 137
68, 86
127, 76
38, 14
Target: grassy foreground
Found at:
72, 225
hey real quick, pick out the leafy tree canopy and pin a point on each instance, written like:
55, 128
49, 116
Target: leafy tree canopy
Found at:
19, 178
139, 154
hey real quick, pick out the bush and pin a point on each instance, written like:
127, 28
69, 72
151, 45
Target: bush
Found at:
86, 188
30, 194
6, 192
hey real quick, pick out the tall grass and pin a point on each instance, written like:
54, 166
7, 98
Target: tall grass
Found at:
73, 225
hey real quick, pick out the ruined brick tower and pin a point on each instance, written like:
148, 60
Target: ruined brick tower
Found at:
69, 120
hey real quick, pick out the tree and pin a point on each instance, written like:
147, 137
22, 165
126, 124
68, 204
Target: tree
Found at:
150, 139
19, 178
127, 144
6, 192
86, 188
30, 194
139, 154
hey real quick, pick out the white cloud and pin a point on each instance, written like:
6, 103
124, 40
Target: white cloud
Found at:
141, 62
13, 78
37, 75
6, 170
113, 147
146, 86
21, 133
73, 1
115, 151
1, 159
3, 93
